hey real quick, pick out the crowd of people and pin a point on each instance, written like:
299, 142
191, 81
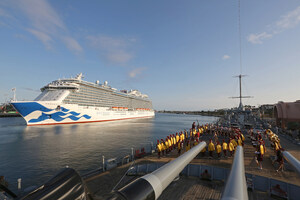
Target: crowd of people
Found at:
184, 140
221, 142
258, 142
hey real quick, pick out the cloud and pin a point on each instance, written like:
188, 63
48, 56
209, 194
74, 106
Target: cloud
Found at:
72, 44
115, 50
44, 23
43, 37
42, 16
287, 21
258, 38
225, 57
134, 73
119, 56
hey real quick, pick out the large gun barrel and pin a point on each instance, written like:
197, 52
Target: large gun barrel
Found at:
150, 186
236, 187
292, 160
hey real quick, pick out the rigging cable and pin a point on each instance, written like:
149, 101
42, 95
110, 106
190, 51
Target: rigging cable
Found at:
240, 36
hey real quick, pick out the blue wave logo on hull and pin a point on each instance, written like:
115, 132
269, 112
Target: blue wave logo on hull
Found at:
26, 108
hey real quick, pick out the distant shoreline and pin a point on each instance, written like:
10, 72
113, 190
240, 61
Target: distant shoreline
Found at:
9, 115
218, 113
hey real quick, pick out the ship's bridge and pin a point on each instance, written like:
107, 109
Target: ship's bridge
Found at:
56, 85
56, 91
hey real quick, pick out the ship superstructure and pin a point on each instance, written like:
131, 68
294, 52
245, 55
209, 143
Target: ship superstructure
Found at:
74, 100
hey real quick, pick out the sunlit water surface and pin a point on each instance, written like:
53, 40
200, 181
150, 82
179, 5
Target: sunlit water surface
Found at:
37, 153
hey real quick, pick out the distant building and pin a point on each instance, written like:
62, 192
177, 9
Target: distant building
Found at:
266, 111
285, 112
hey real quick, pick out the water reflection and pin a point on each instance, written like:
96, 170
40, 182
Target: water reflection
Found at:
36, 153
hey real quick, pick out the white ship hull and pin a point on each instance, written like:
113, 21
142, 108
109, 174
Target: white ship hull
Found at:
50, 113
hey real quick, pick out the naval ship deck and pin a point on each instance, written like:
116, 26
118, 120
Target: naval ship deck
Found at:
191, 187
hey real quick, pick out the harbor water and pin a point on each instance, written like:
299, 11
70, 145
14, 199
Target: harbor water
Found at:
37, 153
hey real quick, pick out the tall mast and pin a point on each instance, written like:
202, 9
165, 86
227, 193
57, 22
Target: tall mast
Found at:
240, 45
240, 77
240, 97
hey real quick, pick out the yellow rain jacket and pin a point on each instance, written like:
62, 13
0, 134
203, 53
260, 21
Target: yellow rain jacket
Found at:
211, 147
231, 147
234, 142
225, 146
262, 150
179, 145
276, 146
243, 138
163, 147
159, 147
219, 148
167, 144
239, 142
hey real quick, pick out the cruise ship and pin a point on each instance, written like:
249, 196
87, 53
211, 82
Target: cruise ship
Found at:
73, 100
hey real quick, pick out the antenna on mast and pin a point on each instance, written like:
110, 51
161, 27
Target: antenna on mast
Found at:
240, 97
241, 75
14, 91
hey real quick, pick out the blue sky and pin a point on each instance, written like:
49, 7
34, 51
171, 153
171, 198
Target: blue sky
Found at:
183, 54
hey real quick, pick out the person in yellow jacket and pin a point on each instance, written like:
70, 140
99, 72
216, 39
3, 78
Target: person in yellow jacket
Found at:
276, 146
243, 138
167, 145
218, 149
259, 155
225, 147
231, 147
179, 148
158, 149
234, 142
211, 148
240, 143
177, 138
262, 149
163, 147
174, 141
